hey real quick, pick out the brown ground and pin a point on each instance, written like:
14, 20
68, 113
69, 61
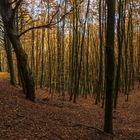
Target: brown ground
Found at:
21, 119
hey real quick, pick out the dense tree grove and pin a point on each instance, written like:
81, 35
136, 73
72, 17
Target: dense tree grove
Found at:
88, 48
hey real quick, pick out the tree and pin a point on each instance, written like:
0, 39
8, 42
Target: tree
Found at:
100, 79
109, 66
8, 50
8, 14
120, 45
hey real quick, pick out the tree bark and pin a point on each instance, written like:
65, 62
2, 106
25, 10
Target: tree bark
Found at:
10, 60
109, 73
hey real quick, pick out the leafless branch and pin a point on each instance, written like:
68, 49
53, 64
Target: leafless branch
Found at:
10, 3
15, 8
51, 23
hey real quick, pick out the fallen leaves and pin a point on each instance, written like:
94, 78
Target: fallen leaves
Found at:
61, 120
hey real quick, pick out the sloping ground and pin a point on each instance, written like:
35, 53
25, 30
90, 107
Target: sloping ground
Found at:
127, 122
56, 120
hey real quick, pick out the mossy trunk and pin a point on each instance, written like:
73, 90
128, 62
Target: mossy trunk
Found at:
8, 50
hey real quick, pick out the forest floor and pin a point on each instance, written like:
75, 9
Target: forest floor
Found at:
55, 119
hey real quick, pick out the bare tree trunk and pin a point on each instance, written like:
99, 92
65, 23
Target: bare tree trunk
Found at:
120, 43
109, 74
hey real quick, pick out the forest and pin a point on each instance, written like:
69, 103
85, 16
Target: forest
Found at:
69, 70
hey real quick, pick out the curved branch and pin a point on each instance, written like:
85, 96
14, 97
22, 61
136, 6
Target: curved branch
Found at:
49, 25
33, 28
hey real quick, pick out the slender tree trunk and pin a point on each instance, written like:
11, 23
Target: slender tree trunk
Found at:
42, 59
10, 60
0, 62
100, 80
32, 53
120, 43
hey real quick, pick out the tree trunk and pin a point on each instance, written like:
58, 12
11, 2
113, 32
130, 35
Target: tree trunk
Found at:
109, 73
28, 85
22, 61
10, 60
0, 63
120, 43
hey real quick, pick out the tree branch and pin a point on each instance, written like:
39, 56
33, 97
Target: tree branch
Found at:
10, 3
47, 25
15, 9
33, 28
17, 5
50, 22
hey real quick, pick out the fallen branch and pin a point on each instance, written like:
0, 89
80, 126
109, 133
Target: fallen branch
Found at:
90, 127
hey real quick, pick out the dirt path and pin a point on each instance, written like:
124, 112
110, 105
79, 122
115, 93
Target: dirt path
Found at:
56, 120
